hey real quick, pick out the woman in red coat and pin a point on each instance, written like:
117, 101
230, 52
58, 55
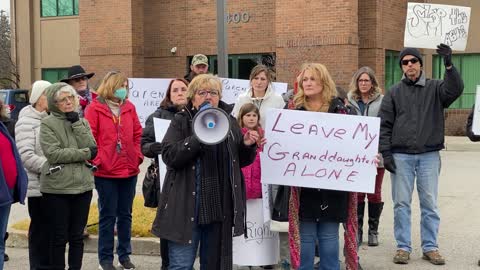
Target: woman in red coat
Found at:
117, 130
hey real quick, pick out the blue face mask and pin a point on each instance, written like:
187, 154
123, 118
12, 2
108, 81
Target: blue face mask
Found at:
121, 93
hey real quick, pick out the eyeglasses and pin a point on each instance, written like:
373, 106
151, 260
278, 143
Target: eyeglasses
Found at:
364, 81
84, 78
413, 61
66, 99
203, 93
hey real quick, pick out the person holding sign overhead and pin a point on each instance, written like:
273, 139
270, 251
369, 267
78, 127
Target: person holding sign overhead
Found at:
175, 98
315, 214
411, 136
366, 97
203, 198
117, 130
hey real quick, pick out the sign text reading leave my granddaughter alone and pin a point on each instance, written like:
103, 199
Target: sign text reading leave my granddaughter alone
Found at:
320, 150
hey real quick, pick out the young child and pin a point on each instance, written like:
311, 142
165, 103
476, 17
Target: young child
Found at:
249, 119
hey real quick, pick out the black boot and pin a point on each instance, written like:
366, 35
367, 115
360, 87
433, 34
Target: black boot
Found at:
374, 212
360, 213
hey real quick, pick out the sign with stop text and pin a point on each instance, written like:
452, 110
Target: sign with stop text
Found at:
320, 150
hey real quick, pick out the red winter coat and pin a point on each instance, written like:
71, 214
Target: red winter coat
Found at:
252, 174
112, 163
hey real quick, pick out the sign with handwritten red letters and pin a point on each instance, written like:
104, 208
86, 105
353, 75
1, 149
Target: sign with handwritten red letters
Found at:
320, 150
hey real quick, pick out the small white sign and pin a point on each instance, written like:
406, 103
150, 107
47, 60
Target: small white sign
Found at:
262, 246
160, 126
476, 113
320, 150
428, 25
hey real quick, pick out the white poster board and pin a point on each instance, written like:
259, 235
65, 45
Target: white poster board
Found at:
262, 246
147, 94
160, 127
428, 25
476, 113
320, 150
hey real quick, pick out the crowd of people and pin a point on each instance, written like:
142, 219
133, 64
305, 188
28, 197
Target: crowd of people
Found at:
72, 139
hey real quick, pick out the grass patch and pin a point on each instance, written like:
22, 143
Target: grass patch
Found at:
142, 219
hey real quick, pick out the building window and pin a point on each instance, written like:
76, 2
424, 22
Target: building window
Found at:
239, 65
54, 75
53, 8
393, 72
468, 66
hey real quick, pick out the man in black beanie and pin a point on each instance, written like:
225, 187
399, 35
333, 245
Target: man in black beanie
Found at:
411, 136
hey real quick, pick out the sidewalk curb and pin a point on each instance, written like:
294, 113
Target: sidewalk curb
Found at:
140, 246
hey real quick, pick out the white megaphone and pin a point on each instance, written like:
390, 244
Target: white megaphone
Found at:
211, 125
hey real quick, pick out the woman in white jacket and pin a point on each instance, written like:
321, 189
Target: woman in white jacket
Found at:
27, 131
260, 93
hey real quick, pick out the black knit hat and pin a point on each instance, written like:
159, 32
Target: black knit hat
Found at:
410, 51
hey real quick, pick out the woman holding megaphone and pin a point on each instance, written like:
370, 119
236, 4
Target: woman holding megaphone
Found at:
203, 198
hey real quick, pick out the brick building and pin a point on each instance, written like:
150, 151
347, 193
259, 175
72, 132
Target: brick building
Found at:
136, 37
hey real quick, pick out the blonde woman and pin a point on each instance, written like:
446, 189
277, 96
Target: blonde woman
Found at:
117, 130
203, 197
309, 223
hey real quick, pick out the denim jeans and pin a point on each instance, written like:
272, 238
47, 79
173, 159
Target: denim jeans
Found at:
326, 233
182, 256
426, 169
4, 213
115, 199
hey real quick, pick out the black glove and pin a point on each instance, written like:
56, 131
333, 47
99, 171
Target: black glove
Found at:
446, 52
389, 163
93, 151
156, 148
72, 117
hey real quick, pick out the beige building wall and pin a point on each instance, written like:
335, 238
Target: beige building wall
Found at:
51, 42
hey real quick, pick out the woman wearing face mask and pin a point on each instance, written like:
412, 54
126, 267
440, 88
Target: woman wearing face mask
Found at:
175, 98
117, 130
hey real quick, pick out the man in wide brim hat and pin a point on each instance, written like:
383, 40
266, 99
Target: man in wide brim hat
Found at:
77, 72
78, 78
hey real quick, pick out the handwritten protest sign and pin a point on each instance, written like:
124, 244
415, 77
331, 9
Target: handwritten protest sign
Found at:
262, 246
147, 94
428, 25
476, 113
320, 150
160, 126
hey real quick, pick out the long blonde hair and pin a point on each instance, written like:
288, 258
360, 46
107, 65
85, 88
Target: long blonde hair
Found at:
322, 76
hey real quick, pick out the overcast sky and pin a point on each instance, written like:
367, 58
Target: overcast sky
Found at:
5, 5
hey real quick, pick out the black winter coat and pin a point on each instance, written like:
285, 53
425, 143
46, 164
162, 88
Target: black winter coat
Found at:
181, 149
323, 205
412, 117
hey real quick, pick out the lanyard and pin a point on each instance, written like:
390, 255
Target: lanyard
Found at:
117, 122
